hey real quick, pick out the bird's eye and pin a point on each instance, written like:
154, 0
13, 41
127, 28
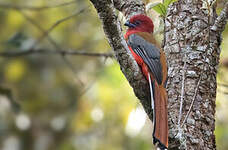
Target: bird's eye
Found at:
137, 23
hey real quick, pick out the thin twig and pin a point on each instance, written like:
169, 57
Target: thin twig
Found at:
61, 21
193, 100
56, 45
45, 51
46, 32
223, 92
182, 92
223, 84
34, 8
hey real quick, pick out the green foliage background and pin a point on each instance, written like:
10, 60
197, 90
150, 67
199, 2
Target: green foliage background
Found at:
59, 99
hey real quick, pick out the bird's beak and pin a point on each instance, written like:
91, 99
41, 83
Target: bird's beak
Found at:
130, 25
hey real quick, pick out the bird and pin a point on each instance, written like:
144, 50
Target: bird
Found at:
152, 60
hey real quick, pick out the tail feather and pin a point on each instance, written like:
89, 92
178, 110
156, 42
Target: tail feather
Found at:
151, 92
152, 98
160, 118
160, 133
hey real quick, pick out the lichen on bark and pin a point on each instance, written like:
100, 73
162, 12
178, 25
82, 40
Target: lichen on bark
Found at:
189, 39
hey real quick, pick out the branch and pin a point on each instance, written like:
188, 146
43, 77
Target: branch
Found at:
193, 100
56, 45
34, 8
223, 92
58, 22
223, 85
61, 52
182, 92
112, 29
221, 20
45, 33
130, 7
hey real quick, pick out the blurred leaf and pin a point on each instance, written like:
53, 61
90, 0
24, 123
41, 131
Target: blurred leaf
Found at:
160, 8
15, 70
14, 19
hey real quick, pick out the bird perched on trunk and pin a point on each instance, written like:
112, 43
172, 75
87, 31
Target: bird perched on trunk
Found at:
151, 59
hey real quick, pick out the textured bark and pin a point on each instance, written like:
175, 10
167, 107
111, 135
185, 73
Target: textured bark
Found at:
130, 7
191, 41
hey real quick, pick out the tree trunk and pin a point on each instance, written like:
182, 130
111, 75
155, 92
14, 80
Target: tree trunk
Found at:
191, 42
192, 50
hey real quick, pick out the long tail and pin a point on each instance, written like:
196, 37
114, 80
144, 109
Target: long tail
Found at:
160, 114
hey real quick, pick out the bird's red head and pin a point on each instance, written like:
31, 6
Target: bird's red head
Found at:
139, 23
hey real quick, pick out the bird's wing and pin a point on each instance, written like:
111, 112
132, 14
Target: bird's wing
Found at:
149, 53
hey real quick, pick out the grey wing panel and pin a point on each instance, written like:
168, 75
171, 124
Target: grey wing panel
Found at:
149, 53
